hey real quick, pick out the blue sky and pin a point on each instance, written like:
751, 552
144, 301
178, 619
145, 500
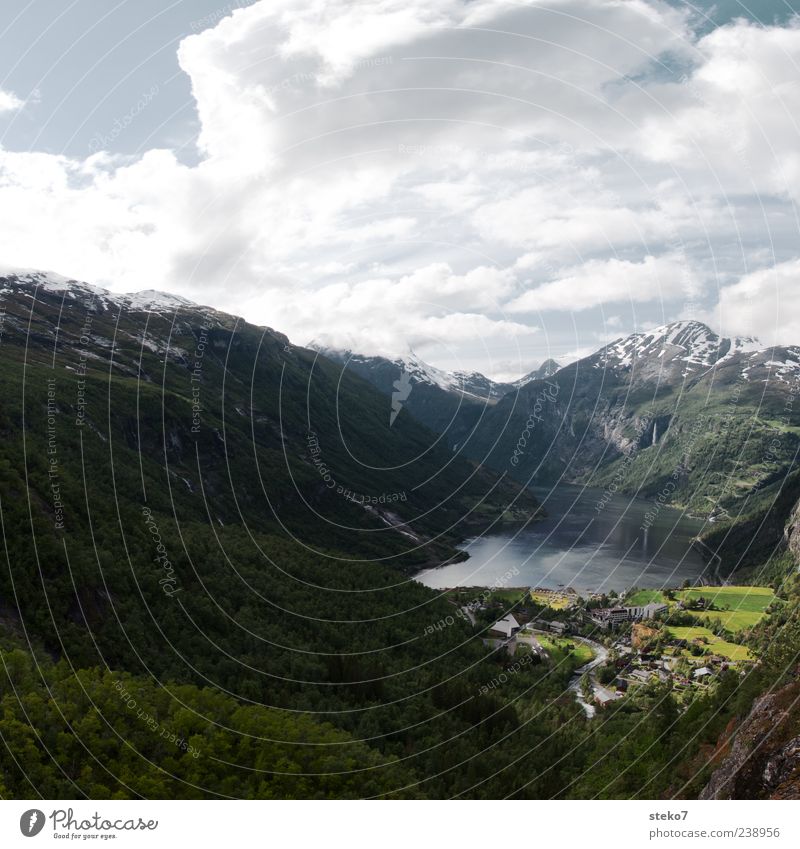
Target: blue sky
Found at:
491, 183
97, 58
92, 63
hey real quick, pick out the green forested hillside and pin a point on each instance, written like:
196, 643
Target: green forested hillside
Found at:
189, 609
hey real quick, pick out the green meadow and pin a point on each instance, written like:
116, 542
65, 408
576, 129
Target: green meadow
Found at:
737, 607
712, 643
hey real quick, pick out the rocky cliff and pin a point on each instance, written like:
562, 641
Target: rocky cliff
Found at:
792, 532
763, 761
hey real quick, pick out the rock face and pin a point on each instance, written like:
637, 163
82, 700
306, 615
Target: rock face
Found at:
792, 532
764, 758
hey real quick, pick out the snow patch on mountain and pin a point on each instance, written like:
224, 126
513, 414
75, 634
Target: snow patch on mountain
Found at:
147, 300
692, 348
691, 342
472, 384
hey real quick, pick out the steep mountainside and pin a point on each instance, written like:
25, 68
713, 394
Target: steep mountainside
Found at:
450, 403
547, 369
758, 756
143, 413
189, 500
763, 759
677, 414
233, 421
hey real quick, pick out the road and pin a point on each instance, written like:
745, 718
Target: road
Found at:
601, 655
470, 615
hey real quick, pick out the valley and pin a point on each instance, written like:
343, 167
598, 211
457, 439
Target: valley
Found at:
249, 542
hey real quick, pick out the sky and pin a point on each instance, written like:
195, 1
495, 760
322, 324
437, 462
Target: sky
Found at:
489, 183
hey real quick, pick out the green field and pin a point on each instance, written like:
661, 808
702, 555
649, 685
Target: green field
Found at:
506, 595
738, 607
714, 645
558, 649
509, 595
642, 597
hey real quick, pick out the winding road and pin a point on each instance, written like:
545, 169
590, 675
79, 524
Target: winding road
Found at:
601, 655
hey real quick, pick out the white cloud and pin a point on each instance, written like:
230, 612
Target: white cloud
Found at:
765, 304
397, 170
432, 306
733, 118
9, 102
605, 281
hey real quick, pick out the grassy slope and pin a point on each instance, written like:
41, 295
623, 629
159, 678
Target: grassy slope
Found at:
713, 643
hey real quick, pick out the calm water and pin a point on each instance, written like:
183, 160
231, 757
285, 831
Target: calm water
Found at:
577, 546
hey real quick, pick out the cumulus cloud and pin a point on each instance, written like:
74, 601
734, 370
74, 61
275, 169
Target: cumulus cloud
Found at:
387, 172
9, 102
607, 281
433, 306
732, 117
765, 304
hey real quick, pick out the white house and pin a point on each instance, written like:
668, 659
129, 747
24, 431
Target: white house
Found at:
507, 626
645, 611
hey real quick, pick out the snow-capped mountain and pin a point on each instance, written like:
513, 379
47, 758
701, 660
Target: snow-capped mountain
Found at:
473, 386
96, 297
39, 305
711, 421
686, 350
450, 403
547, 369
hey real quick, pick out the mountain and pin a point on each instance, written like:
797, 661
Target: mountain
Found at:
205, 383
677, 414
204, 584
192, 505
446, 402
124, 413
547, 369
449, 403
687, 350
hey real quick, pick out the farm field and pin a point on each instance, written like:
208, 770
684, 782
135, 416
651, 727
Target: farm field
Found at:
642, 597
714, 644
558, 649
739, 607
510, 595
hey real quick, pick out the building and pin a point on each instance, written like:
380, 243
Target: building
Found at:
641, 675
608, 617
645, 611
703, 672
506, 627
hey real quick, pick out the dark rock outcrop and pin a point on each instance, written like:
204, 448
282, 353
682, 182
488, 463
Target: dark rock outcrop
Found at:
792, 532
763, 761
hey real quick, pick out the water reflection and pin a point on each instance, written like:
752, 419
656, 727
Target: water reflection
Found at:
580, 546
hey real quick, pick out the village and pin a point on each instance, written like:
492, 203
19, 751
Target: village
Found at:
684, 638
